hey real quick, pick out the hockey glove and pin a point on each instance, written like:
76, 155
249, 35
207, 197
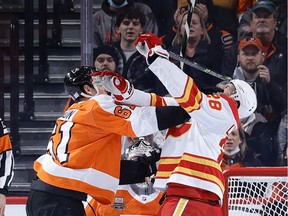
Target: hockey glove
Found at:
119, 87
145, 42
149, 45
96, 80
96, 77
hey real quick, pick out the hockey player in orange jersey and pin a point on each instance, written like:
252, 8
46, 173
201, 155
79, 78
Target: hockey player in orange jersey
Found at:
83, 153
189, 170
133, 199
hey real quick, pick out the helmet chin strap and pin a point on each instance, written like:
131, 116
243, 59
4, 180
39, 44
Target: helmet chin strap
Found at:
96, 88
85, 95
90, 96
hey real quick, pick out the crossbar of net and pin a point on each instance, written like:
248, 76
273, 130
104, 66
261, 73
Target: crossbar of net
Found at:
261, 195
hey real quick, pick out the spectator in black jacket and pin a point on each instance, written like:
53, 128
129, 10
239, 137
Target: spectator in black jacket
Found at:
199, 48
269, 96
221, 38
132, 65
261, 128
263, 26
105, 57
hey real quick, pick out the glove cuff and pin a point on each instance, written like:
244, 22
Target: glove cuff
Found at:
151, 58
156, 52
129, 92
139, 98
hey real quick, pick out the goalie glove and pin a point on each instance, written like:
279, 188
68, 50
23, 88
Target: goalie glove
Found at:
113, 82
149, 45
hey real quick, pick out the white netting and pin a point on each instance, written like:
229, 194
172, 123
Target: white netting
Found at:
258, 195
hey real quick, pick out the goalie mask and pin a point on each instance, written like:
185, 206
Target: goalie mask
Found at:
146, 153
76, 78
143, 149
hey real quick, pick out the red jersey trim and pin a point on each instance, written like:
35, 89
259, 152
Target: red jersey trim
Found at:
233, 107
191, 98
193, 166
157, 100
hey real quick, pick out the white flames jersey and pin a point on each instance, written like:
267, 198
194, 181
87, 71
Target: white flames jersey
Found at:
192, 151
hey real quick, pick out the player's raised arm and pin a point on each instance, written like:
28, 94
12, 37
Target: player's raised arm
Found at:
179, 85
124, 92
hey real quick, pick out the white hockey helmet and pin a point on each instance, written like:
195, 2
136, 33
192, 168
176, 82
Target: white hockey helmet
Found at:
246, 97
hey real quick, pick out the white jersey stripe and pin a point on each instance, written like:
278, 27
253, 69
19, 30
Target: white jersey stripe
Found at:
89, 175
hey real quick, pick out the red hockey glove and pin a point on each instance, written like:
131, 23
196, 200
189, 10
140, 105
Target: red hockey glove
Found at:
145, 42
113, 82
149, 45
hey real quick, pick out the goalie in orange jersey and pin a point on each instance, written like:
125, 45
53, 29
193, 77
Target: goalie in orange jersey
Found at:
133, 199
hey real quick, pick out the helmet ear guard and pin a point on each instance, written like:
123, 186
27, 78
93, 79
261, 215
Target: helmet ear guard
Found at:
76, 78
74, 92
245, 97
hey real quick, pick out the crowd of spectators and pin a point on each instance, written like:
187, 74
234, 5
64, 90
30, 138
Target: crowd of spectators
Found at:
243, 39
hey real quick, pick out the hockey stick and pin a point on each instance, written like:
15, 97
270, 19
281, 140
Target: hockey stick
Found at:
188, 21
184, 42
197, 66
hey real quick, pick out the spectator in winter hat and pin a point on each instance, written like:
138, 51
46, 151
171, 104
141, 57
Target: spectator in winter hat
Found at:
263, 26
105, 57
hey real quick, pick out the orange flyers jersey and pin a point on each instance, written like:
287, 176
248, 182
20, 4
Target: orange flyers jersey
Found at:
127, 202
6, 157
83, 153
243, 5
192, 152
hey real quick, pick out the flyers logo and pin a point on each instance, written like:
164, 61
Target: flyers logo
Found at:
179, 130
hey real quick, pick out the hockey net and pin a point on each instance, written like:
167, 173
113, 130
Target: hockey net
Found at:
256, 191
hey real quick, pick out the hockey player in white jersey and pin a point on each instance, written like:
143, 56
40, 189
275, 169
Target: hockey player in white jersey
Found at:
189, 169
